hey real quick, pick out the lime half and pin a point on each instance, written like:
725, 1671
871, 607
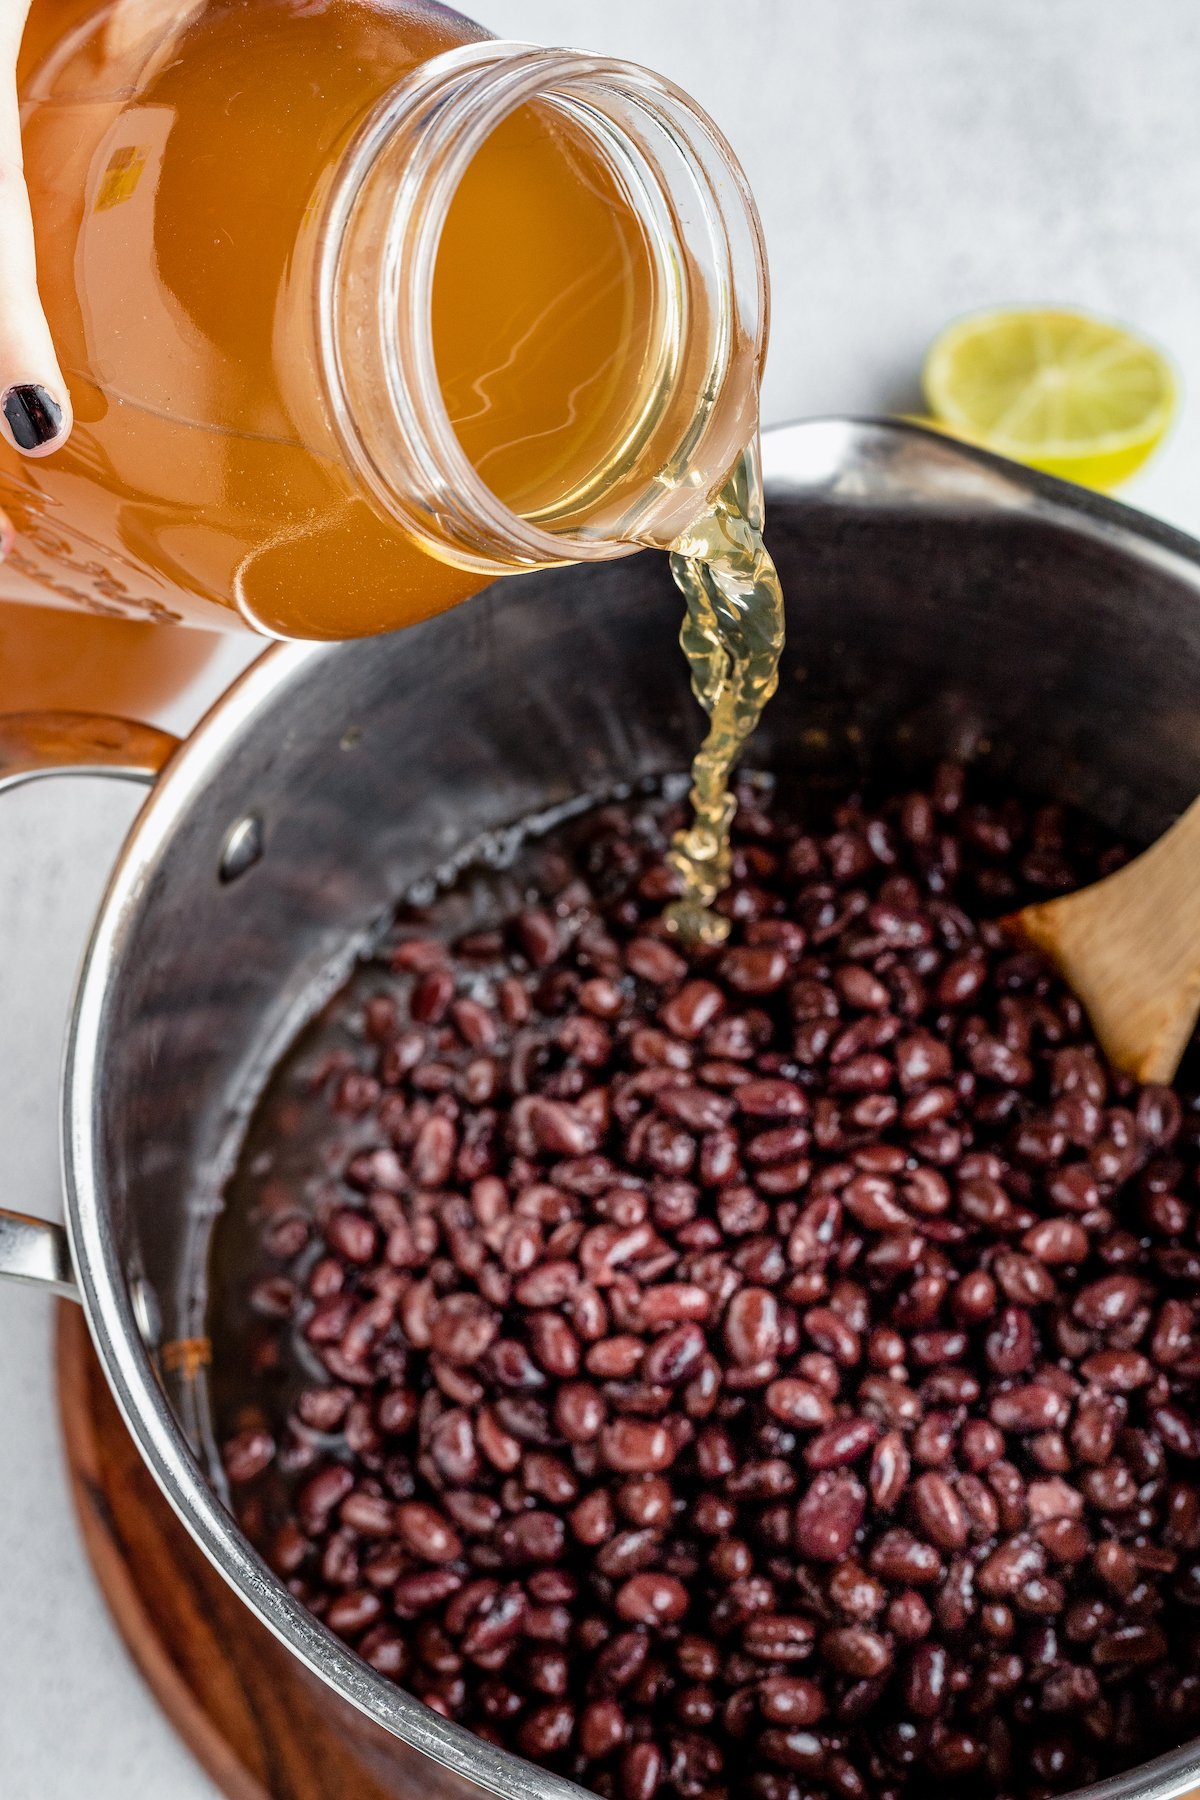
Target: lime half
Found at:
1062, 391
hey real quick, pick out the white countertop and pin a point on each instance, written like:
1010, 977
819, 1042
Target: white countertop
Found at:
913, 159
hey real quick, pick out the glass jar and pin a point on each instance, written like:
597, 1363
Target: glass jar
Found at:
360, 309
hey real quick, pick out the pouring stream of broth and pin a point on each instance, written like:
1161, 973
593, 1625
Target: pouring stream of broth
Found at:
732, 636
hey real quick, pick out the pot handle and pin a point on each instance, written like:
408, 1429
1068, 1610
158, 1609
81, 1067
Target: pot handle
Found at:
35, 745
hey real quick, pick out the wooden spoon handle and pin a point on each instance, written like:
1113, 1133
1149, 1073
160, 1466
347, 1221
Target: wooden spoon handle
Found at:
1130, 948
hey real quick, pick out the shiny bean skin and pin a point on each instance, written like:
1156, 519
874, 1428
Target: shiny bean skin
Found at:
939, 1513
752, 1331
652, 1600
840, 1444
635, 1446
890, 1466
798, 1403
828, 1517
790, 1700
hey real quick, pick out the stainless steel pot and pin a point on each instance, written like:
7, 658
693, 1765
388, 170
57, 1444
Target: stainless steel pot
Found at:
938, 600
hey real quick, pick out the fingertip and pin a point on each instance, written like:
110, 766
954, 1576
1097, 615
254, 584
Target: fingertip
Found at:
37, 422
7, 535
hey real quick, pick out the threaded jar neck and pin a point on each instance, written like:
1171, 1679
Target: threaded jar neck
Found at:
696, 377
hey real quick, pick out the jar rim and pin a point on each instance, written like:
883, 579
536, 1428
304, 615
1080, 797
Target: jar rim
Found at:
439, 118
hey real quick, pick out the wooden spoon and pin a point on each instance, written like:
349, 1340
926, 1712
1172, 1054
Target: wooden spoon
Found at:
1130, 948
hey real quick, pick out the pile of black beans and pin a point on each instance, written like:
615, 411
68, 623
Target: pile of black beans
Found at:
769, 1370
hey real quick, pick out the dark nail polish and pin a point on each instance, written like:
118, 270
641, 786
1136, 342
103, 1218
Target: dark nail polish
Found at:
34, 416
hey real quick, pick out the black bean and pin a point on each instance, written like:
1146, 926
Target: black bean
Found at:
248, 1454
652, 1600
828, 1517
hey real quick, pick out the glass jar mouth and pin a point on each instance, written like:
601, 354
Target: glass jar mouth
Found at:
378, 251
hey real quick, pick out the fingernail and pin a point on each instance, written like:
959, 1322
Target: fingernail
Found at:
34, 416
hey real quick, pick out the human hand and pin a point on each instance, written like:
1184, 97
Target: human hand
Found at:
34, 403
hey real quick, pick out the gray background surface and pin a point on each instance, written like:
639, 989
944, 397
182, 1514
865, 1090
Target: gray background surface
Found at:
913, 159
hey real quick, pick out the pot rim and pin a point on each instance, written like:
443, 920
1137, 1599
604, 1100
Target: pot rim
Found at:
867, 460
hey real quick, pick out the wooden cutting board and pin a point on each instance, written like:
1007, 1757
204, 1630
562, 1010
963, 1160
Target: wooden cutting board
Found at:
257, 1720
